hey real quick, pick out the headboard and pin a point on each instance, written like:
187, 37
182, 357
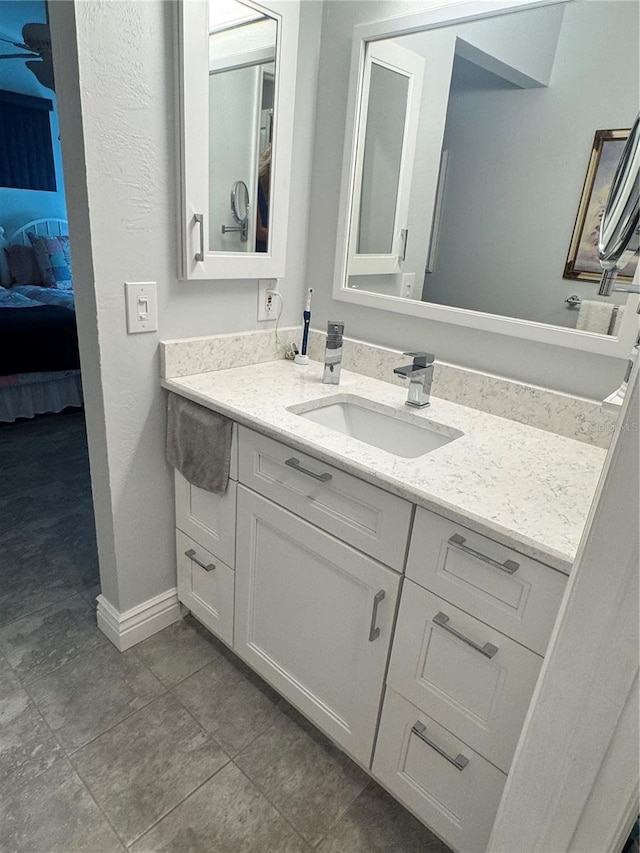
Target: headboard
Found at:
41, 227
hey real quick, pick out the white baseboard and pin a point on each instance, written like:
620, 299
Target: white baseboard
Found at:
134, 625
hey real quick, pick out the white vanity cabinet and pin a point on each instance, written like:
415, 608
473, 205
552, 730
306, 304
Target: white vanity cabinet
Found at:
298, 568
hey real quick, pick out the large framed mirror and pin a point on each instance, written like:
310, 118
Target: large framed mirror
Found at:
469, 173
237, 86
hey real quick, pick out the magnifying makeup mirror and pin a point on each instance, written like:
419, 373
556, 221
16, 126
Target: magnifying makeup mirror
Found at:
239, 210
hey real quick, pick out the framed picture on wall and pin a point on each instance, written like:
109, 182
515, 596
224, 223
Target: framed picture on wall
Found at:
582, 259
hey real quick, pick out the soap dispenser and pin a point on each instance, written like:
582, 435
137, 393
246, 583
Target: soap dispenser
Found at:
333, 353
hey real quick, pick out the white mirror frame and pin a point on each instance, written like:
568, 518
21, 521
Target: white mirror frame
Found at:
193, 64
466, 10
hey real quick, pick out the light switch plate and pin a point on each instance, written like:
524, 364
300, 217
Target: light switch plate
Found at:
142, 306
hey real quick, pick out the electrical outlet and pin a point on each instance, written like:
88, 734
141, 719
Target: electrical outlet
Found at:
267, 308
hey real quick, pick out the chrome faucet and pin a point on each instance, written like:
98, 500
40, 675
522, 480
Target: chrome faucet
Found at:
333, 353
420, 374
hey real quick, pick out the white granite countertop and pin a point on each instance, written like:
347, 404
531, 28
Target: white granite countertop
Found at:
522, 486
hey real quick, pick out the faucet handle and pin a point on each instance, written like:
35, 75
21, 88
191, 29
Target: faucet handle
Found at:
421, 359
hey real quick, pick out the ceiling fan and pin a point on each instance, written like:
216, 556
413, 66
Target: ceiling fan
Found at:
36, 47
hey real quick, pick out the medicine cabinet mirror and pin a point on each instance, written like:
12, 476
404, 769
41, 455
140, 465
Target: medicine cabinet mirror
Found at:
238, 64
469, 136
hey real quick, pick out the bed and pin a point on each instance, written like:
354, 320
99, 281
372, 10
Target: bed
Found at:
39, 362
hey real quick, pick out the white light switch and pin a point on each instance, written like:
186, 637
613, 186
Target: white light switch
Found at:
142, 306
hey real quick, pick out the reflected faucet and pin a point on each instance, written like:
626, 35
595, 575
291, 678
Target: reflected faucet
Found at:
420, 374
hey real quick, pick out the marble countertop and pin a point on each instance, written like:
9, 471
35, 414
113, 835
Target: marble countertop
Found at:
523, 486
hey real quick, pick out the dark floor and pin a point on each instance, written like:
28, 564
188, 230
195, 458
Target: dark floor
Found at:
173, 745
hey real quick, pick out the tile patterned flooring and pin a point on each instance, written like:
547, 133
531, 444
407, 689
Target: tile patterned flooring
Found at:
173, 746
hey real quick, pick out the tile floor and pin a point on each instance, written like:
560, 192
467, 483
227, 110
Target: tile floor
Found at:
174, 745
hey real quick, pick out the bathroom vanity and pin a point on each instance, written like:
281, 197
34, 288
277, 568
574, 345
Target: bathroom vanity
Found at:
402, 603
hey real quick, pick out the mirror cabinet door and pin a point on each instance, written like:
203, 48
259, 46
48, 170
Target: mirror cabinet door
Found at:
237, 88
390, 109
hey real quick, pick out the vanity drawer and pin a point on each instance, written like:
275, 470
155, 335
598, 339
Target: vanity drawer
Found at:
210, 520
459, 805
480, 693
513, 593
207, 592
362, 515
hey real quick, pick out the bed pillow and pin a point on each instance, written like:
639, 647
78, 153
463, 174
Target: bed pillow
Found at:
53, 256
23, 267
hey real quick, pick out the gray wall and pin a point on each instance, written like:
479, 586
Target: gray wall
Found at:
555, 367
119, 121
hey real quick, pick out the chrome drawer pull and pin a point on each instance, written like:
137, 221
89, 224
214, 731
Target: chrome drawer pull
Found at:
295, 464
488, 650
509, 566
374, 631
459, 762
191, 554
198, 218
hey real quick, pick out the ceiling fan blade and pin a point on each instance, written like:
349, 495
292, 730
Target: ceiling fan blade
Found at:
14, 43
37, 37
18, 55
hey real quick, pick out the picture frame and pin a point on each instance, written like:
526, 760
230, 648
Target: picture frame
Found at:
582, 259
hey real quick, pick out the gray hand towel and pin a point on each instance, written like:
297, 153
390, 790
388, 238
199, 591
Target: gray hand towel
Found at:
198, 444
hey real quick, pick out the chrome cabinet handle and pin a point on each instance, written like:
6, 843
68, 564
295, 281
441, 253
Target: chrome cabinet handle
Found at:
488, 650
295, 464
404, 234
191, 554
374, 631
459, 762
199, 219
509, 566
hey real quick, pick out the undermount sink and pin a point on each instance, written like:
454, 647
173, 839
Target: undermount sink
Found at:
377, 425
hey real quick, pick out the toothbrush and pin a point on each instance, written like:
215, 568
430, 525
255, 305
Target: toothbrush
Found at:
306, 316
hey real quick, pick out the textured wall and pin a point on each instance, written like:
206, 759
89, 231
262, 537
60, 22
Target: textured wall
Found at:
126, 93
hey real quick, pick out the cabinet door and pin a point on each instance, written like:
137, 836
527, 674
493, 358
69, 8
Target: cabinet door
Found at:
390, 110
205, 586
451, 788
228, 139
314, 618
